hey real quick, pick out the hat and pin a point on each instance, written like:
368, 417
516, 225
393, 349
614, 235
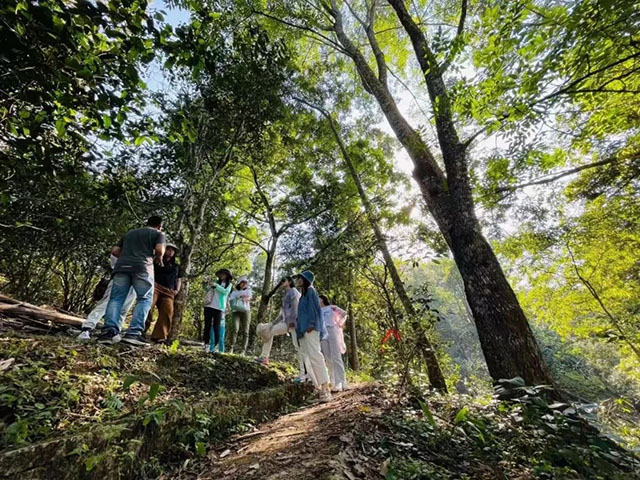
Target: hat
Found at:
225, 270
242, 279
308, 276
174, 246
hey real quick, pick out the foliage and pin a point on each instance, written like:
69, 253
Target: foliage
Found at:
91, 396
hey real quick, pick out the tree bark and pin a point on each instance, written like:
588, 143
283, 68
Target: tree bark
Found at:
180, 300
507, 341
266, 295
354, 361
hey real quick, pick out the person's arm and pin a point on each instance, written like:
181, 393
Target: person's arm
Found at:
247, 293
178, 284
117, 250
339, 316
222, 289
158, 253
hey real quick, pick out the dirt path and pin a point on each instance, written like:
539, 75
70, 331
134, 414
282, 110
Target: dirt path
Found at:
313, 443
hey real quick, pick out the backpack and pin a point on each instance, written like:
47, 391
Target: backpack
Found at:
100, 289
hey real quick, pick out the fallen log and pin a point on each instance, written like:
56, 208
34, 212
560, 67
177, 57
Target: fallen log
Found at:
10, 307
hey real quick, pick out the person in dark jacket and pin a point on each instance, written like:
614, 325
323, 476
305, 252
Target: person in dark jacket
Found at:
166, 287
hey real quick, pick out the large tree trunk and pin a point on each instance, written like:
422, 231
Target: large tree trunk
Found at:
507, 341
508, 344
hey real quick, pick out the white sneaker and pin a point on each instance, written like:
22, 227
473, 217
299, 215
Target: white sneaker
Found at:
84, 336
325, 396
336, 389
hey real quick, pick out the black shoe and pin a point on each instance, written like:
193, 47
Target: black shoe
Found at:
108, 337
135, 339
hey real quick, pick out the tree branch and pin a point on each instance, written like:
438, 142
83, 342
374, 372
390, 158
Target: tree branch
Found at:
375, 46
265, 201
557, 176
591, 289
457, 39
314, 33
569, 87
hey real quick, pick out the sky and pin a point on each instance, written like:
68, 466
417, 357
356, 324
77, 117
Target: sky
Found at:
412, 104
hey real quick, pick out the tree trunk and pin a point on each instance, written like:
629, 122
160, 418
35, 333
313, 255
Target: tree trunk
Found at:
180, 301
266, 295
186, 253
507, 341
354, 362
436, 377
508, 344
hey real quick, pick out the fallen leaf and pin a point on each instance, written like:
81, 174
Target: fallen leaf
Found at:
255, 466
384, 468
348, 438
6, 364
226, 453
349, 474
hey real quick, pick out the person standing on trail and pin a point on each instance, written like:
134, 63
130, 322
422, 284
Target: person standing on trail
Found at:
283, 324
240, 300
101, 307
136, 253
215, 305
166, 287
310, 331
333, 346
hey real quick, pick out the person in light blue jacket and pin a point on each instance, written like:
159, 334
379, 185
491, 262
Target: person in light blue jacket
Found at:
310, 330
215, 305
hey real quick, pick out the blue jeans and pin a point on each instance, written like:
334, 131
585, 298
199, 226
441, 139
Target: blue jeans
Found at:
223, 330
142, 283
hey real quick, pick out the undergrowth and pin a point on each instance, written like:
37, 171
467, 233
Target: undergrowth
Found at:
126, 411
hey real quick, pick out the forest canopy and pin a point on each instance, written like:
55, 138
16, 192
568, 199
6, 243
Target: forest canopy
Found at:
463, 177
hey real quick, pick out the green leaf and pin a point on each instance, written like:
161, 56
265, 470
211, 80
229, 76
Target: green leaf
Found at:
153, 391
91, 462
427, 414
61, 127
128, 381
462, 415
200, 449
106, 121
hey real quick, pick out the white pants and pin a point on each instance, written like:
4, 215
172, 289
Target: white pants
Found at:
101, 307
331, 350
310, 346
267, 331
